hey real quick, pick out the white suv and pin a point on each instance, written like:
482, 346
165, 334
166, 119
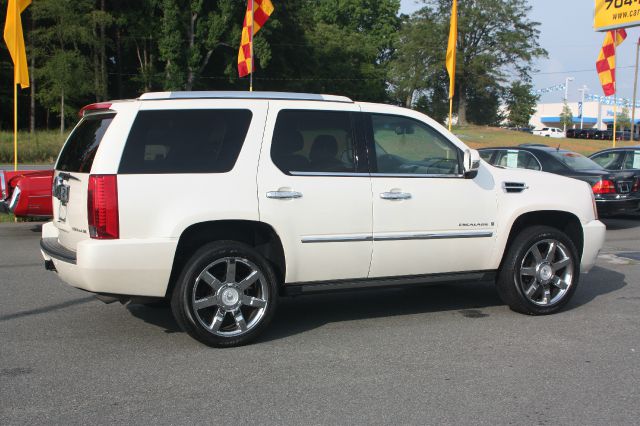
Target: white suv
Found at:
222, 201
549, 132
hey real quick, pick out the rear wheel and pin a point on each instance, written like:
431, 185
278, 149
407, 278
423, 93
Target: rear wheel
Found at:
540, 271
226, 294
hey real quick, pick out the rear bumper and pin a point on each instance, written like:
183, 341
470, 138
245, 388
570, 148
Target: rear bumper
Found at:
594, 233
620, 206
126, 266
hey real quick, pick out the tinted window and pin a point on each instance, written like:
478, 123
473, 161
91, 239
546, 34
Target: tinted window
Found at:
313, 141
407, 146
517, 159
486, 155
575, 161
81, 146
610, 160
185, 141
633, 160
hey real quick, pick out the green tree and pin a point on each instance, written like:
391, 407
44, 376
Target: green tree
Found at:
63, 28
495, 37
623, 119
521, 103
349, 44
566, 116
100, 20
414, 69
190, 33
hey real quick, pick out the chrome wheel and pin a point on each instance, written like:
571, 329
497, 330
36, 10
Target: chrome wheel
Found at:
546, 272
230, 297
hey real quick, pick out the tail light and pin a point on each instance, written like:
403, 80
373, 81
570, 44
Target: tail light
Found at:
102, 207
604, 186
636, 185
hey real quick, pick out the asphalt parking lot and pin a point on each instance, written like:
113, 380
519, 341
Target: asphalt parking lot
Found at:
431, 355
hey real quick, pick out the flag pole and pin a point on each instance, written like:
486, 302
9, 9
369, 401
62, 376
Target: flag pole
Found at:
15, 127
615, 90
15, 94
251, 47
450, 61
635, 90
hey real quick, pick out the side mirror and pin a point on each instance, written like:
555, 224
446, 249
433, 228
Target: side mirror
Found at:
471, 162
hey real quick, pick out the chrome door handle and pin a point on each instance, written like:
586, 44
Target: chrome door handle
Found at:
284, 195
395, 196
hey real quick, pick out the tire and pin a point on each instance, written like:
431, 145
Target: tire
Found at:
226, 294
542, 281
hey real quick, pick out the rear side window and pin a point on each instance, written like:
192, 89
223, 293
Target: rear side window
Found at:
313, 141
80, 149
185, 141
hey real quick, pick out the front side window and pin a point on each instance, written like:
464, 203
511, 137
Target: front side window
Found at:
185, 141
517, 159
308, 141
486, 155
406, 146
610, 160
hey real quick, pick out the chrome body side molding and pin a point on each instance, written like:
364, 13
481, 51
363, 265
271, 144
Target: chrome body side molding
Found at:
395, 237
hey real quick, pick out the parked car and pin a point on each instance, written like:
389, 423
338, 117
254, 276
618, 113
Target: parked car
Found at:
26, 193
221, 201
615, 192
616, 159
549, 132
572, 133
587, 133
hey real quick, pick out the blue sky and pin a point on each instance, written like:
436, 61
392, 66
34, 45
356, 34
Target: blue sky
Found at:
567, 34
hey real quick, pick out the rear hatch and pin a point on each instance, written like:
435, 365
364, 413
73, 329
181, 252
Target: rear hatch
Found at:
71, 178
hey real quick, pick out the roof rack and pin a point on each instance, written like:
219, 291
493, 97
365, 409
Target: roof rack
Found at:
243, 95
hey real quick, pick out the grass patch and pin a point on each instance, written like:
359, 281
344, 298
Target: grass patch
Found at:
485, 137
9, 218
41, 147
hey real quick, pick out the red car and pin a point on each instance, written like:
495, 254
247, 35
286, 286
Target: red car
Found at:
26, 193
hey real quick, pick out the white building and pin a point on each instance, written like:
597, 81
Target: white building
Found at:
595, 115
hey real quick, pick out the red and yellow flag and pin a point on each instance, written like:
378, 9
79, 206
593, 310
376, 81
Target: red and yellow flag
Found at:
606, 63
14, 39
451, 48
262, 9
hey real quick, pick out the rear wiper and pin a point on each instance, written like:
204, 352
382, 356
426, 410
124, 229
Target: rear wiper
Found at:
67, 176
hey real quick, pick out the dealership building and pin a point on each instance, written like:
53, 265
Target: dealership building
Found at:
595, 115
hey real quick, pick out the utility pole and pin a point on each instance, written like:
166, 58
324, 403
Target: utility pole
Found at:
635, 89
582, 91
566, 95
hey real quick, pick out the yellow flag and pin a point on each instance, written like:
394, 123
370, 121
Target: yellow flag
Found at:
14, 39
451, 48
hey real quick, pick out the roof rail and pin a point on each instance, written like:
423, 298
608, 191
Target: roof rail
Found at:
243, 95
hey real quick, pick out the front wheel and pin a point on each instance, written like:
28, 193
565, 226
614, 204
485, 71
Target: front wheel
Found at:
226, 294
540, 271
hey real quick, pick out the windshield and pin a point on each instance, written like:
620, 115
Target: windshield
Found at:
575, 161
